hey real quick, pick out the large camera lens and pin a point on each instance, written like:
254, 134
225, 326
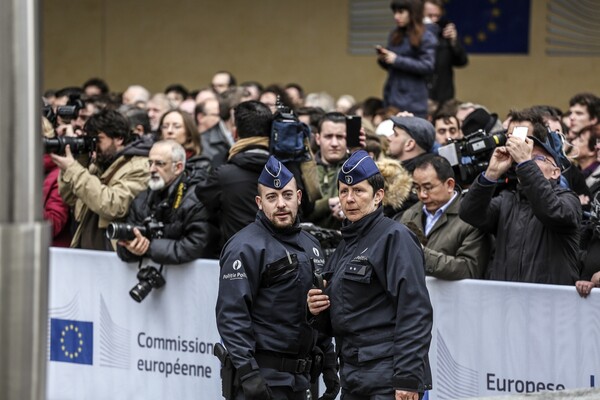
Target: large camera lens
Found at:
78, 145
120, 231
140, 291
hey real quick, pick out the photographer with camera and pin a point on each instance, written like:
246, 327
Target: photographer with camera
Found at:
104, 191
168, 223
537, 224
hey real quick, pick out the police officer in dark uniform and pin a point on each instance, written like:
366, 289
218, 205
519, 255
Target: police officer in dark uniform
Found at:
376, 299
266, 270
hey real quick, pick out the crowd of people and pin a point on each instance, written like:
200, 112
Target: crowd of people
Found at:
483, 197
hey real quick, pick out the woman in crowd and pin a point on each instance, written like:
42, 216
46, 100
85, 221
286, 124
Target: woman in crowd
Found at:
409, 58
179, 126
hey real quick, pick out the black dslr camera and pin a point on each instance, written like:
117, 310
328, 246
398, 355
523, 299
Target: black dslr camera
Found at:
78, 144
149, 278
471, 155
151, 228
70, 111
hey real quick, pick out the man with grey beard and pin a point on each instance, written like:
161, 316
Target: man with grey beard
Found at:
186, 232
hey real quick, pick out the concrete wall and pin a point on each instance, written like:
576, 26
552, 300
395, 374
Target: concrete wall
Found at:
157, 42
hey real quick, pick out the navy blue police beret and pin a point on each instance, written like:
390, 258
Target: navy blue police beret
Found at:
357, 168
275, 175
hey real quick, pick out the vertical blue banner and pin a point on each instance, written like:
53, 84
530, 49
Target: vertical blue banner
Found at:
491, 26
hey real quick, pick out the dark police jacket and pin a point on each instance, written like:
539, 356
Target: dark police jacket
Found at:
261, 306
381, 315
188, 234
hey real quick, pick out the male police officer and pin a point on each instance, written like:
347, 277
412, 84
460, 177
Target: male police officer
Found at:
266, 271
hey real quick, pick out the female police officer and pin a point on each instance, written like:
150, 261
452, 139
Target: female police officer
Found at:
376, 298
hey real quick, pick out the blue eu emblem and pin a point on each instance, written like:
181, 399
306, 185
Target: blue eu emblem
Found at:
71, 341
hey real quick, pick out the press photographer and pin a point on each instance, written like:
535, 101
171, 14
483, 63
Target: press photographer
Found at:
102, 192
168, 222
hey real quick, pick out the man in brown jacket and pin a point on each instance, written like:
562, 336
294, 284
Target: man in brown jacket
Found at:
103, 192
453, 249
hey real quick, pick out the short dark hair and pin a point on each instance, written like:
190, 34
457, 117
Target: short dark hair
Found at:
371, 105
232, 80
253, 118
99, 83
535, 117
137, 116
442, 167
177, 88
589, 100
110, 122
376, 181
446, 117
334, 116
297, 87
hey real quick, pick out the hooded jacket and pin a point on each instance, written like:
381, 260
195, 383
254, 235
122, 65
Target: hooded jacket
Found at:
230, 190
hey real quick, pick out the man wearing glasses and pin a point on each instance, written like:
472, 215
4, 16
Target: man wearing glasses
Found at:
453, 249
187, 233
537, 225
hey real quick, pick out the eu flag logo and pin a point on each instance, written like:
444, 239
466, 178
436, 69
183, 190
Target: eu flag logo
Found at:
71, 341
491, 26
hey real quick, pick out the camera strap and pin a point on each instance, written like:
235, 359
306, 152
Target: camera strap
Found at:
160, 269
107, 178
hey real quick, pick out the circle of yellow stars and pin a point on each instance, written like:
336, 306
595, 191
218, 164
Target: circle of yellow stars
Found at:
491, 26
74, 330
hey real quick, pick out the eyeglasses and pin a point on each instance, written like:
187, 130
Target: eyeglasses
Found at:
544, 159
426, 189
158, 163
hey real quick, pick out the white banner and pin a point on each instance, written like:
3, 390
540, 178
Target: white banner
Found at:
160, 348
498, 338
489, 338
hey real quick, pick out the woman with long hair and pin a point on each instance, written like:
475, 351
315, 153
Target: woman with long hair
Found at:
179, 126
409, 59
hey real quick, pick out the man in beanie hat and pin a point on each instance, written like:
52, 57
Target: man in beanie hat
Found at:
375, 301
536, 225
266, 271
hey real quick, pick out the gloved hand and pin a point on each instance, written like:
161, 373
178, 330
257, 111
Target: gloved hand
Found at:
255, 387
332, 383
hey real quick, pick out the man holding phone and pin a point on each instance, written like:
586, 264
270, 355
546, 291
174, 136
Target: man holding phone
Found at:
337, 134
537, 225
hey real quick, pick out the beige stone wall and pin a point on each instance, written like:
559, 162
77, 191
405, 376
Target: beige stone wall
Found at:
158, 42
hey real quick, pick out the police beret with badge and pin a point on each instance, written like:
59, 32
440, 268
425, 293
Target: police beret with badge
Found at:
358, 167
275, 175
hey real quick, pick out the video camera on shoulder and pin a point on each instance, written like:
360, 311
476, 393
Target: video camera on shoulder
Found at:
151, 228
471, 155
289, 136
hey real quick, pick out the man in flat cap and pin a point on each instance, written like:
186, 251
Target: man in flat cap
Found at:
412, 137
266, 270
375, 300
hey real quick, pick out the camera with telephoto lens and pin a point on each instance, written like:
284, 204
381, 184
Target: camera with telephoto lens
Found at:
471, 155
151, 228
78, 144
149, 278
70, 111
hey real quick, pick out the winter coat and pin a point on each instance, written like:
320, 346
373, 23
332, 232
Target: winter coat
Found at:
454, 249
230, 190
406, 85
56, 211
328, 178
187, 233
447, 56
98, 203
380, 314
536, 227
